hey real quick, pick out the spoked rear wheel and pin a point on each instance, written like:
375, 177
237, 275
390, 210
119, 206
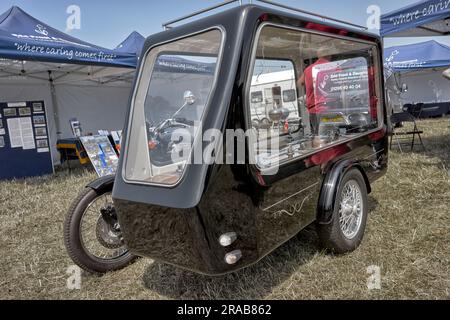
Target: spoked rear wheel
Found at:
92, 233
346, 231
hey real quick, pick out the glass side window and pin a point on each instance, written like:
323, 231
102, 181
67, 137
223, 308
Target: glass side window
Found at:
173, 91
318, 91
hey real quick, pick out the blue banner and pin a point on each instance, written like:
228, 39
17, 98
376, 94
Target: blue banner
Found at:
413, 16
23, 37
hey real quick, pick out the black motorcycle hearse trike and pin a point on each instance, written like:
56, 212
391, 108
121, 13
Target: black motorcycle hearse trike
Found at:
243, 128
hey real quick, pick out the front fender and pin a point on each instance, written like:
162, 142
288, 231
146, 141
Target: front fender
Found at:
330, 187
102, 184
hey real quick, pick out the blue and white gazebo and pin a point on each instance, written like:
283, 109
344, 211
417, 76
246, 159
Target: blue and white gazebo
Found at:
426, 18
74, 78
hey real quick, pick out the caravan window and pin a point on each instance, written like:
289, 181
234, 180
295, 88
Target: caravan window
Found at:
330, 92
172, 94
257, 97
289, 95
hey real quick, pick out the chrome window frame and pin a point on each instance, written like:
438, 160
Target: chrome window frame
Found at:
135, 91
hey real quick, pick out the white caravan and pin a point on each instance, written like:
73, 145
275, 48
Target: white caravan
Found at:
274, 90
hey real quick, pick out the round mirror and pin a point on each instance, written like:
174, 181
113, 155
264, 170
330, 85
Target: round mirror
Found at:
404, 87
189, 97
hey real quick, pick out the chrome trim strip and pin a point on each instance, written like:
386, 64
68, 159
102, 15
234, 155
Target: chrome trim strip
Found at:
283, 6
295, 194
167, 25
374, 154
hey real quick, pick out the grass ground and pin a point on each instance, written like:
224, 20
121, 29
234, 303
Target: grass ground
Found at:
408, 238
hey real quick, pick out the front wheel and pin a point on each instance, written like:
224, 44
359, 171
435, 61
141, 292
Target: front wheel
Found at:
346, 231
92, 233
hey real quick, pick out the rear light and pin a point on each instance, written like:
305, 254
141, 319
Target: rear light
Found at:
227, 239
233, 257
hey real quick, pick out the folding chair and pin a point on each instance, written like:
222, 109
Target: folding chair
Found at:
417, 110
401, 136
407, 107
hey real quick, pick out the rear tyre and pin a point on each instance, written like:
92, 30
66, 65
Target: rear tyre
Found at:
346, 231
93, 243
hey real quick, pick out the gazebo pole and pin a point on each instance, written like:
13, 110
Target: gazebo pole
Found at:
55, 109
55, 104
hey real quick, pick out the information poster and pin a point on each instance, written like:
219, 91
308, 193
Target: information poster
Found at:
342, 85
26, 131
15, 135
102, 154
2, 128
24, 140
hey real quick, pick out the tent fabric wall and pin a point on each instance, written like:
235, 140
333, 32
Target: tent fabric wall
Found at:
96, 107
426, 86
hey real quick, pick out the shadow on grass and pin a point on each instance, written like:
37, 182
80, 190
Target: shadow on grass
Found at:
373, 204
255, 282
435, 147
436, 139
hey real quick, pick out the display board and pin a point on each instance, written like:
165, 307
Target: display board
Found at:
24, 140
101, 153
117, 139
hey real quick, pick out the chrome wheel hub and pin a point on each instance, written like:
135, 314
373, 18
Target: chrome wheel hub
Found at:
351, 209
108, 236
100, 239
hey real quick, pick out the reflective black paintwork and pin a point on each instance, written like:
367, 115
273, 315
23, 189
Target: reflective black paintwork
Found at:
182, 225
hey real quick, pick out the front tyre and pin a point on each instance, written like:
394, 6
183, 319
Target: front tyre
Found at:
346, 231
92, 234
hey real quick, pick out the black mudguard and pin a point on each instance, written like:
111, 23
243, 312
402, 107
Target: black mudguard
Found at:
330, 187
102, 184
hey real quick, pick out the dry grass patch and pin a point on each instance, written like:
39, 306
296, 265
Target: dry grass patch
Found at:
408, 237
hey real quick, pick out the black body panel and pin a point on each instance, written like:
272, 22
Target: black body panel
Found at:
182, 225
